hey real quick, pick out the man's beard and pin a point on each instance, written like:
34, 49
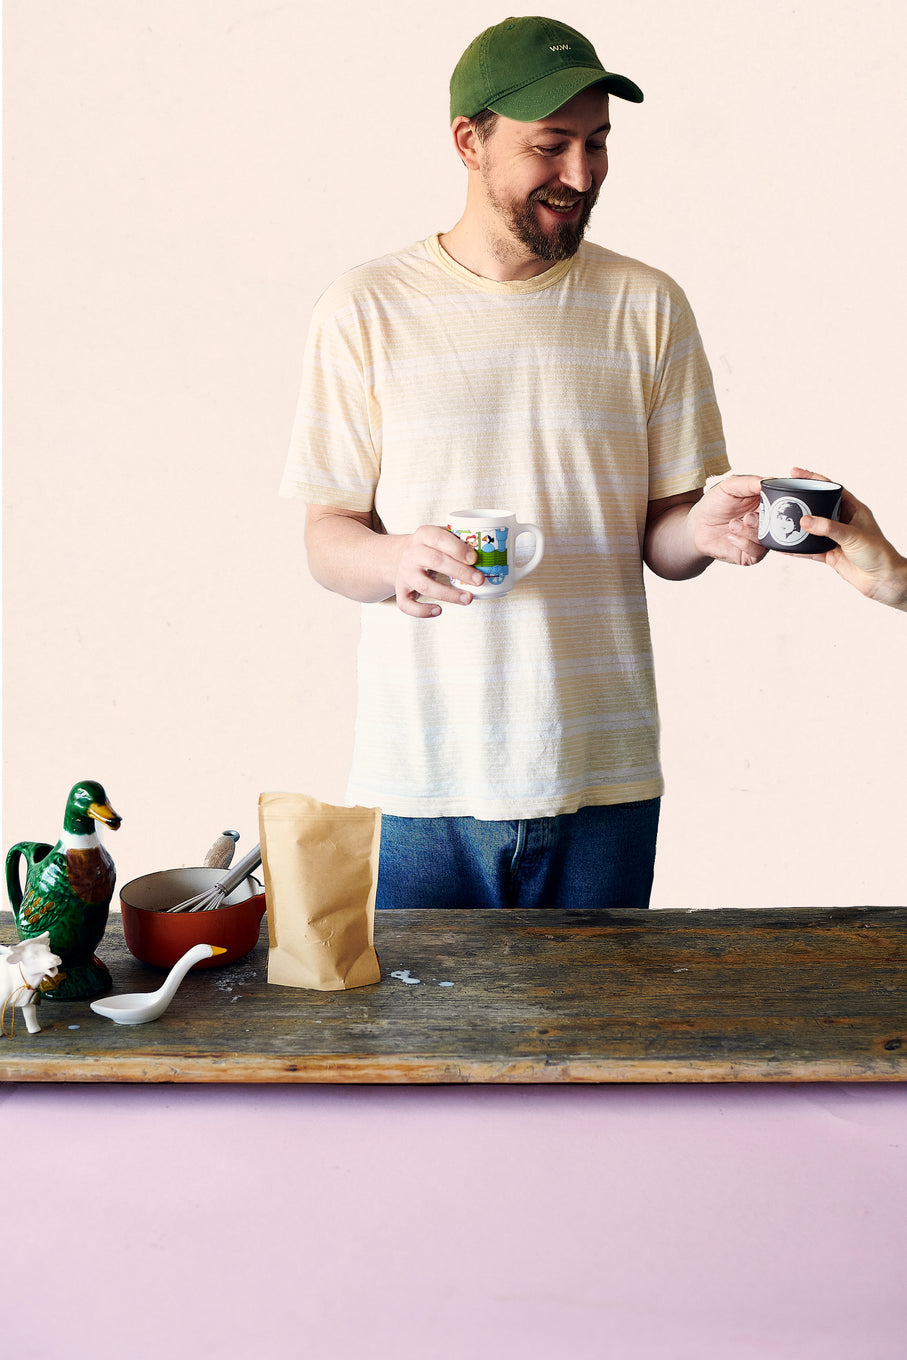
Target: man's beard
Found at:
557, 244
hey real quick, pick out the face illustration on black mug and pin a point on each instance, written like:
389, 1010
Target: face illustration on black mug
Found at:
493, 534
785, 500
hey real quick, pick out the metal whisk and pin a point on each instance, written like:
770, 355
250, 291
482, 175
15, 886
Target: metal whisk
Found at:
211, 898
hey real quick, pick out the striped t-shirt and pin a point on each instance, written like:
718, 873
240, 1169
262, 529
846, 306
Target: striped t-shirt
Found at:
573, 398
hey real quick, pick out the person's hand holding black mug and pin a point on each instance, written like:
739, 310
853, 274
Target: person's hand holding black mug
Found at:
859, 552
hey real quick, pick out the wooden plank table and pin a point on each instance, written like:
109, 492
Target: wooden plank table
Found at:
623, 996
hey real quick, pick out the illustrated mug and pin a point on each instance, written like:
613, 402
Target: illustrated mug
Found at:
785, 500
493, 535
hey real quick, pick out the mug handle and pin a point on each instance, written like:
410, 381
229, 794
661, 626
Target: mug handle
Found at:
526, 567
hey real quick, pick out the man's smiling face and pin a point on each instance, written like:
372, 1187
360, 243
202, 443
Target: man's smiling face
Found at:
541, 180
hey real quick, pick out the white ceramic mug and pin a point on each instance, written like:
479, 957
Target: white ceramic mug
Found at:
493, 535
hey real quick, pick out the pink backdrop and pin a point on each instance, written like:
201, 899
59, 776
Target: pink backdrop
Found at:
602, 1223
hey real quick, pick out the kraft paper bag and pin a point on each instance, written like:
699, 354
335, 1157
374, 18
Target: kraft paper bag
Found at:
320, 868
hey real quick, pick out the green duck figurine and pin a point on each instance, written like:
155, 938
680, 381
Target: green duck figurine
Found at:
68, 887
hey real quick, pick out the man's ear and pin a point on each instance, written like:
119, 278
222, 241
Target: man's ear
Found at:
467, 143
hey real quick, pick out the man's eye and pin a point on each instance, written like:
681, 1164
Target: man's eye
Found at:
596, 147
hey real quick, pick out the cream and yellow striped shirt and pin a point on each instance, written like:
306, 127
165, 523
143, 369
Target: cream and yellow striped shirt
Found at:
573, 398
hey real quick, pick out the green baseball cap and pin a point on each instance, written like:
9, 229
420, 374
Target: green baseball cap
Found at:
527, 68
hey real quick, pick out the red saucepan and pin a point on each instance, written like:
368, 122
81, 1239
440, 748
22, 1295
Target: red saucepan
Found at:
159, 937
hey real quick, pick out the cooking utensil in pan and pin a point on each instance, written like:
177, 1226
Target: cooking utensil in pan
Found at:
213, 897
220, 856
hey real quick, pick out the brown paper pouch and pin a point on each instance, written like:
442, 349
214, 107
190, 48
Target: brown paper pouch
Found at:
320, 868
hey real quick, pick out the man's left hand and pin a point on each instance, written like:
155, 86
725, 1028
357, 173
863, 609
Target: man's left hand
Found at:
726, 522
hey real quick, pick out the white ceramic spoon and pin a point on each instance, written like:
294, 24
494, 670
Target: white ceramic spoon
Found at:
135, 1008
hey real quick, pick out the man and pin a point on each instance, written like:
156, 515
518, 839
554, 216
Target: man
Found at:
513, 745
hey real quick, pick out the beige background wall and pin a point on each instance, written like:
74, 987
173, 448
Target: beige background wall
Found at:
182, 181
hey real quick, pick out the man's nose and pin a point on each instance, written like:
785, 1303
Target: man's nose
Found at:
575, 171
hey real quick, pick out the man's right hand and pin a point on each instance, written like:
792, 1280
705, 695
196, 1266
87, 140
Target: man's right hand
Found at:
426, 562
347, 554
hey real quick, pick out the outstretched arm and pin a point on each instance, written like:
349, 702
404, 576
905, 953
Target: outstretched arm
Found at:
686, 533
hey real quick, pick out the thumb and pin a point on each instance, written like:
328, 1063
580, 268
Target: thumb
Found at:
830, 528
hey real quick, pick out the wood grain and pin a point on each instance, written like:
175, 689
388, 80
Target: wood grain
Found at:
542, 997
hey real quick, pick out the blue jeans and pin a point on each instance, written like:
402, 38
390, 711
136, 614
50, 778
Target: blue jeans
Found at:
594, 858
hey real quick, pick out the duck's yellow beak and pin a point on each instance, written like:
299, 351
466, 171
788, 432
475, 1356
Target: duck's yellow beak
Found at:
216, 949
103, 812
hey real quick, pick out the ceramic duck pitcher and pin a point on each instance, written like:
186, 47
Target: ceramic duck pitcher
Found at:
67, 892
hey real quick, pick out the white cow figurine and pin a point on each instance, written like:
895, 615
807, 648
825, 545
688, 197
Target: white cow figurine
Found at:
23, 967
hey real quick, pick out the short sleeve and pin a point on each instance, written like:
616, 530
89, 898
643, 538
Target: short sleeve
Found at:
333, 457
685, 433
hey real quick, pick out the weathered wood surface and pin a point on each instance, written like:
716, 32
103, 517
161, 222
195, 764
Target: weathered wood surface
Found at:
630, 996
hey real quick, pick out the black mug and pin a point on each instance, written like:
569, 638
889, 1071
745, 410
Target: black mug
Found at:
785, 500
